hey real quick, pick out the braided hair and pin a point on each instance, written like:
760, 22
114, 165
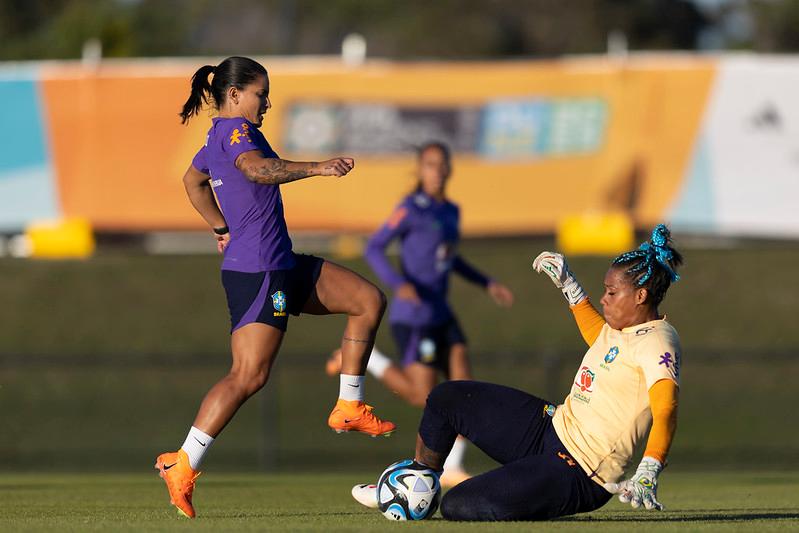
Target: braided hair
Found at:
653, 265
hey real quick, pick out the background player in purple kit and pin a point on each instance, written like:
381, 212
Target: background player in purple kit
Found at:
263, 278
425, 328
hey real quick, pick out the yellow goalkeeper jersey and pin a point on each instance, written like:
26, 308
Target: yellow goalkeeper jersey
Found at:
606, 413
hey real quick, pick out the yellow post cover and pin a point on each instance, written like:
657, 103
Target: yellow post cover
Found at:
60, 239
595, 233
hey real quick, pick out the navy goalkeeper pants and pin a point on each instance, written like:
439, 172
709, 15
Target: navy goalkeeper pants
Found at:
538, 479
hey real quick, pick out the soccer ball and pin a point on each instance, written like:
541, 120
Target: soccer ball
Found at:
408, 491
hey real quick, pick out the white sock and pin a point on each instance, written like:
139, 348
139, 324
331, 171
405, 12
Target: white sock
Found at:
350, 387
196, 446
378, 363
455, 458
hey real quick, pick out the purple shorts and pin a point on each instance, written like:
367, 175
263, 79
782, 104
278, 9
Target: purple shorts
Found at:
429, 345
269, 297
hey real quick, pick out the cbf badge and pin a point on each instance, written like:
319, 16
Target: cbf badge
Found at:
279, 303
549, 410
427, 350
611, 355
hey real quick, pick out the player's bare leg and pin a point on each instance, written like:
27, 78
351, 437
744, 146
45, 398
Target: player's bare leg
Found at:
254, 347
412, 383
341, 291
459, 366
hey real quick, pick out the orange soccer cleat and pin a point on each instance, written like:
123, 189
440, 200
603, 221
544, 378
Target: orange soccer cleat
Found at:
179, 477
353, 415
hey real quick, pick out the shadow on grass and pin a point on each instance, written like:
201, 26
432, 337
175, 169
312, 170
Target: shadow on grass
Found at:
279, 514
710, 515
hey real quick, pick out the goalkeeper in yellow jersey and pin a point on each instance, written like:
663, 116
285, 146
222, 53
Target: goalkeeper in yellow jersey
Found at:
570, 458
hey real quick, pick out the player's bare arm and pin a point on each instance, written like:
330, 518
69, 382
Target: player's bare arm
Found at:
273, 171
202, 198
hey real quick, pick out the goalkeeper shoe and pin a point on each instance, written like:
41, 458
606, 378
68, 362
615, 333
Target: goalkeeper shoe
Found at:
365, 495
179, 477
353, 415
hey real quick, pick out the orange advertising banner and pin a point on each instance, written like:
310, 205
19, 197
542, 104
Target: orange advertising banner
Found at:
533, 141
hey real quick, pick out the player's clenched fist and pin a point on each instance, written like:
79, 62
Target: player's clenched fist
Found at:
336, 167
554, 265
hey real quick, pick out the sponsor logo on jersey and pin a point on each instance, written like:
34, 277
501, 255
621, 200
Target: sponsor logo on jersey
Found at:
643, 331
611, 355
279, 303
216, 183
585, 379
671, 362
237, 134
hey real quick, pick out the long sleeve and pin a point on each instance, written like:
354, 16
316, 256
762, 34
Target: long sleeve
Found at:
663, 396
588, 319
394, 227
469, 273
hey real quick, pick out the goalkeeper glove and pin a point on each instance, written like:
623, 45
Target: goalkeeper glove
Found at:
642, 488
554, 265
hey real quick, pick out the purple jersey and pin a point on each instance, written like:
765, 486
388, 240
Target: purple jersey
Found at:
259, 239
429, 232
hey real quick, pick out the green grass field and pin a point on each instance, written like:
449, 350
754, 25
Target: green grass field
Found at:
113, 354
307, 502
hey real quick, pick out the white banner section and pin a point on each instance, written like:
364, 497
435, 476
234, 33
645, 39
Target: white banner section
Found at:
744, 176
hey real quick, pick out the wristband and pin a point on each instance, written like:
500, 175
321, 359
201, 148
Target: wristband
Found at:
224, 230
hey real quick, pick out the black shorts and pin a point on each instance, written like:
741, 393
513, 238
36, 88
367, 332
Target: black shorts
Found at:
429, 345
268, 297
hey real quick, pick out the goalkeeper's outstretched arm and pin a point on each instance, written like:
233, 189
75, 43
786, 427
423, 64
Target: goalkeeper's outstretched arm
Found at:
589, 321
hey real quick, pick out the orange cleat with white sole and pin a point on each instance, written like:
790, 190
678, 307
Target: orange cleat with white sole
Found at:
175, 470
353, 415
333, 364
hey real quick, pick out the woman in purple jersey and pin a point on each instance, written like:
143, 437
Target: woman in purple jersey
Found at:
424, 327
234, 183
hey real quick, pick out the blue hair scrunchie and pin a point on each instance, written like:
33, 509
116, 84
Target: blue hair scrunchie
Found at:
656, 249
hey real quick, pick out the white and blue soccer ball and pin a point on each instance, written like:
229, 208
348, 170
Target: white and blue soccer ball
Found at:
408, 491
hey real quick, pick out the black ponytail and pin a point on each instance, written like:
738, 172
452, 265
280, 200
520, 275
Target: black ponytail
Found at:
234, 71
200, 91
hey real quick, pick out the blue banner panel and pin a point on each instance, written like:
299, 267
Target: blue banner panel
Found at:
27, 185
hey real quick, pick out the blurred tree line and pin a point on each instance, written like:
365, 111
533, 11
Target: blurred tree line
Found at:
401, 29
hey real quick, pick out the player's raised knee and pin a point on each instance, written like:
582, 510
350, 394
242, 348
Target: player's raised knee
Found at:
445, 394
251, 382
373, 302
